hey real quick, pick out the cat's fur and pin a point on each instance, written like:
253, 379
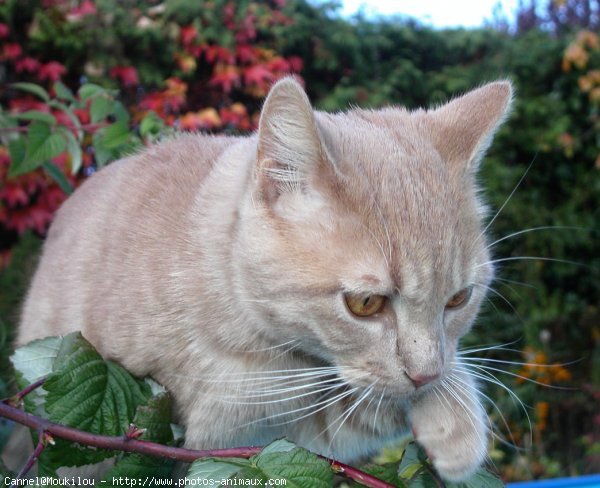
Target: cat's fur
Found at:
215, 263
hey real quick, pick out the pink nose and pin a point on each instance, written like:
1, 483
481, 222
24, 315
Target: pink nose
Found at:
421, 380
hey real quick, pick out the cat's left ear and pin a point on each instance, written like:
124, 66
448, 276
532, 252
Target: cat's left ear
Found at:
289, 148
462, 129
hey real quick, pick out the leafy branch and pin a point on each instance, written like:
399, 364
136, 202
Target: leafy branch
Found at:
85, 409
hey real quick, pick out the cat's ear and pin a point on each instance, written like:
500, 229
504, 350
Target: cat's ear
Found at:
462, 129
289, 147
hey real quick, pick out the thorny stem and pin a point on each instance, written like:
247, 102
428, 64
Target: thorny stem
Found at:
125, 444
42, 440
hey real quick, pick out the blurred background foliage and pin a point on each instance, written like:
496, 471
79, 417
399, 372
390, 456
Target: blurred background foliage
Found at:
150, 67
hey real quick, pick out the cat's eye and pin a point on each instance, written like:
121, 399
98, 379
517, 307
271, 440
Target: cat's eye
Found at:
364, 305
460, 298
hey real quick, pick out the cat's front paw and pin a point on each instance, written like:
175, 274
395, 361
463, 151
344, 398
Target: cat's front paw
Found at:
452, 432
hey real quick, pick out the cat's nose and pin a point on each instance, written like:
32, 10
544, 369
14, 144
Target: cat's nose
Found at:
420, 380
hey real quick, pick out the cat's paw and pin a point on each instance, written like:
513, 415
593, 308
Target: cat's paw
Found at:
453, 434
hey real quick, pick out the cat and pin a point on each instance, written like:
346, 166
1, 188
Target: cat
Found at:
311, 281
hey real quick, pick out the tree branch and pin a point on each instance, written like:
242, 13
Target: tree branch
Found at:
127, 444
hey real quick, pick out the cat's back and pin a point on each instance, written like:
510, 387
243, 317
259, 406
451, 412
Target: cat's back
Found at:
126, 216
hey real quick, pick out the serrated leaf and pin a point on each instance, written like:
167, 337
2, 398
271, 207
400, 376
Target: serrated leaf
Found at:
41, 145
37, 90
481, 478
88, 393
155, 418
299, 467
213, 472
412, 461
69, 112
58, 176
74, 150
90, 90
63, 92
115, 135
387, 472
101, 108
36, 115
16, 149
280, 445
91, 394
151, 125
425, 479
121, 113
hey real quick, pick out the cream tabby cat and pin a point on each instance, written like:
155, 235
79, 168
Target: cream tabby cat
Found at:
310, 282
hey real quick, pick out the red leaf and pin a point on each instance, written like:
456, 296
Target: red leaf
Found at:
127, 75
87, 7
225, 76
258, 75
52, 71
188, 34
4, 31
14, 195
27, 64
11, 51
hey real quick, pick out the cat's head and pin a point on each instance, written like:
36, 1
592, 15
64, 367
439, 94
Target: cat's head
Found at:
364, 240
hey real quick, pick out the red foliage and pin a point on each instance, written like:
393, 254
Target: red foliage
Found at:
52, 71
28, 64
127, 75
4, 31
87, 7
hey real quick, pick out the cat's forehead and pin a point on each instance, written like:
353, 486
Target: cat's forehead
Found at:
416, 215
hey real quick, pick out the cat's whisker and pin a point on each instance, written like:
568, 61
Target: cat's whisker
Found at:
464, 386
242, 377
377, 409
483, 232
345, 414
514, 282
448, 386
495, 347
533, 258
482, 367
264, 349
234, 399
267, 391
533, 229
497, 293
323, 404
519, 363
490, 378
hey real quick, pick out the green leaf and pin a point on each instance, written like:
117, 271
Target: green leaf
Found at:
36, 115
32, 362
412, 461
155, 417
74, 150
63, 92
481, 478
90, 90
101, 108
213, 471
151, 126
32, 88
69, 112
115, 135
91, 394
17, 149
299, 467
88, 393
280, 445
387, 472
425, 479
57, 175
41, 145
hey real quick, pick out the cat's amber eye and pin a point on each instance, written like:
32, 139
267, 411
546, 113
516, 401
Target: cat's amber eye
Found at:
459, 299
364, 305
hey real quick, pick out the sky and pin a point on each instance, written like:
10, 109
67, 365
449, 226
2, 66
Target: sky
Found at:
439, 13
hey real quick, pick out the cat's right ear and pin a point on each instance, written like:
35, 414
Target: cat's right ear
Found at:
289, 147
